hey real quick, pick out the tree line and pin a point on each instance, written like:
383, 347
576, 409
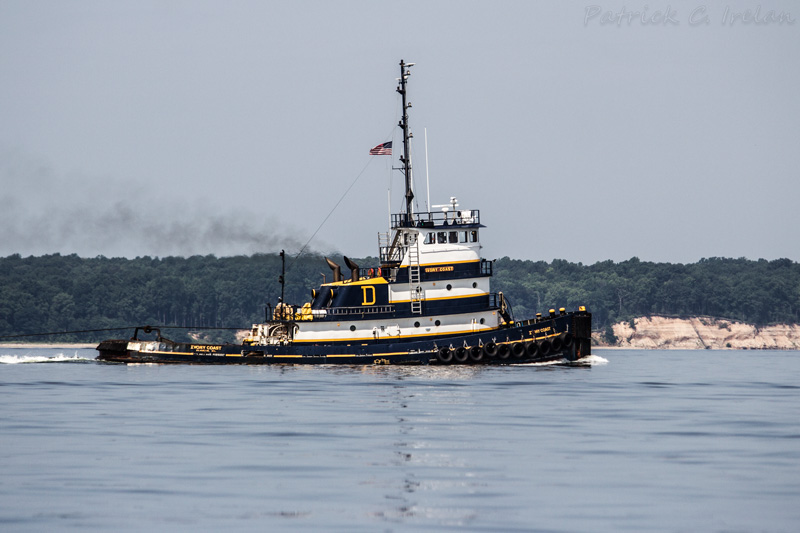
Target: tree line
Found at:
757, 292
55, 293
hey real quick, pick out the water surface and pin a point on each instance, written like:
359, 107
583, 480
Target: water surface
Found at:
641, 441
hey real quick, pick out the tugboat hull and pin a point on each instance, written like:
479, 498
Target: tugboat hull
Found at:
563, 338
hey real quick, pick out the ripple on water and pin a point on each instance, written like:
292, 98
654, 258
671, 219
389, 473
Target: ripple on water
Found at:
618, 445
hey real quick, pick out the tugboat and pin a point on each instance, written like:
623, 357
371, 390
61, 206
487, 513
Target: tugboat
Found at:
428, 302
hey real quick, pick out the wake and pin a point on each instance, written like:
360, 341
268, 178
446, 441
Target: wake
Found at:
56, 358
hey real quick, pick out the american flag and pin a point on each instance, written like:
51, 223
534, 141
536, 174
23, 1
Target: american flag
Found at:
382, 149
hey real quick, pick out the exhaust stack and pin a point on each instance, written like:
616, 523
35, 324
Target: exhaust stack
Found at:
353, 269
337, 270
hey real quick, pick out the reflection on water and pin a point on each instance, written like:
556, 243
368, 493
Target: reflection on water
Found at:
425, 373
415, 468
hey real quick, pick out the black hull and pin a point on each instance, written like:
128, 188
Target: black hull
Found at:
562, 338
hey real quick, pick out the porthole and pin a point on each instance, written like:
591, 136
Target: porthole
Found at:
416, 324
438, 323
474, 284
449, 287
352, 328
483, 321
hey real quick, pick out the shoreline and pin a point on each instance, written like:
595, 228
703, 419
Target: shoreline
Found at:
698, 333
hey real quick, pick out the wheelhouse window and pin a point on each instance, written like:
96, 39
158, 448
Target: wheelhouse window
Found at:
451, 237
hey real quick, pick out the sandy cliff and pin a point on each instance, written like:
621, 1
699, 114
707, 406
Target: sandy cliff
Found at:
702, 333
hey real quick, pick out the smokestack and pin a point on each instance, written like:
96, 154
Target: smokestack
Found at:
353, 269
337, 270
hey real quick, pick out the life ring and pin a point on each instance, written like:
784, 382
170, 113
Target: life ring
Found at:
532, 349
445, 355
461, 355
370, 273
490, 349
517, 349
476, 353
379, 272
544, 347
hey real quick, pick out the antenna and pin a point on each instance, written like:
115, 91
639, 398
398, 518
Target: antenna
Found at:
447, 207
452, 205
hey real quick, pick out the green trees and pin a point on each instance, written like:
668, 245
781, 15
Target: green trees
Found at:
760, 292
65, 293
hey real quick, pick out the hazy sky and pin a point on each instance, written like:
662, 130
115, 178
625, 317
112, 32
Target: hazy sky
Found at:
581, 130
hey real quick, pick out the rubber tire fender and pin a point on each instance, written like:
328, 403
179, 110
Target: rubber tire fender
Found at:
489, 350
544, 347
567, 339
517, 350
533, 350
475, 354
556, 344
503, 352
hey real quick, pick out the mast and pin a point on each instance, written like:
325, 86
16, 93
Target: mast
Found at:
406, 157
282, 277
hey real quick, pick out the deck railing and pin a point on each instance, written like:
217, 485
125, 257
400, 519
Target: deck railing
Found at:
437, 218
362, 310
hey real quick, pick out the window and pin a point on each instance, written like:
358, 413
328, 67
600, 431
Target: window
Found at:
441, 237
462, 236
430, 238
453, 236
473, 236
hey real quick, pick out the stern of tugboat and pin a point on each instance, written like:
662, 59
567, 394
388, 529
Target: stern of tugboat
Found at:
112, 350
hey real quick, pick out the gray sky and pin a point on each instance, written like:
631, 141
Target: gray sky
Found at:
580, 132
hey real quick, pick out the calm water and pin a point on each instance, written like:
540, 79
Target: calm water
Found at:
641, 441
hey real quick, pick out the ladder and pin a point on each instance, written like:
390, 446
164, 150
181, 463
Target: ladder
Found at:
414, 287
